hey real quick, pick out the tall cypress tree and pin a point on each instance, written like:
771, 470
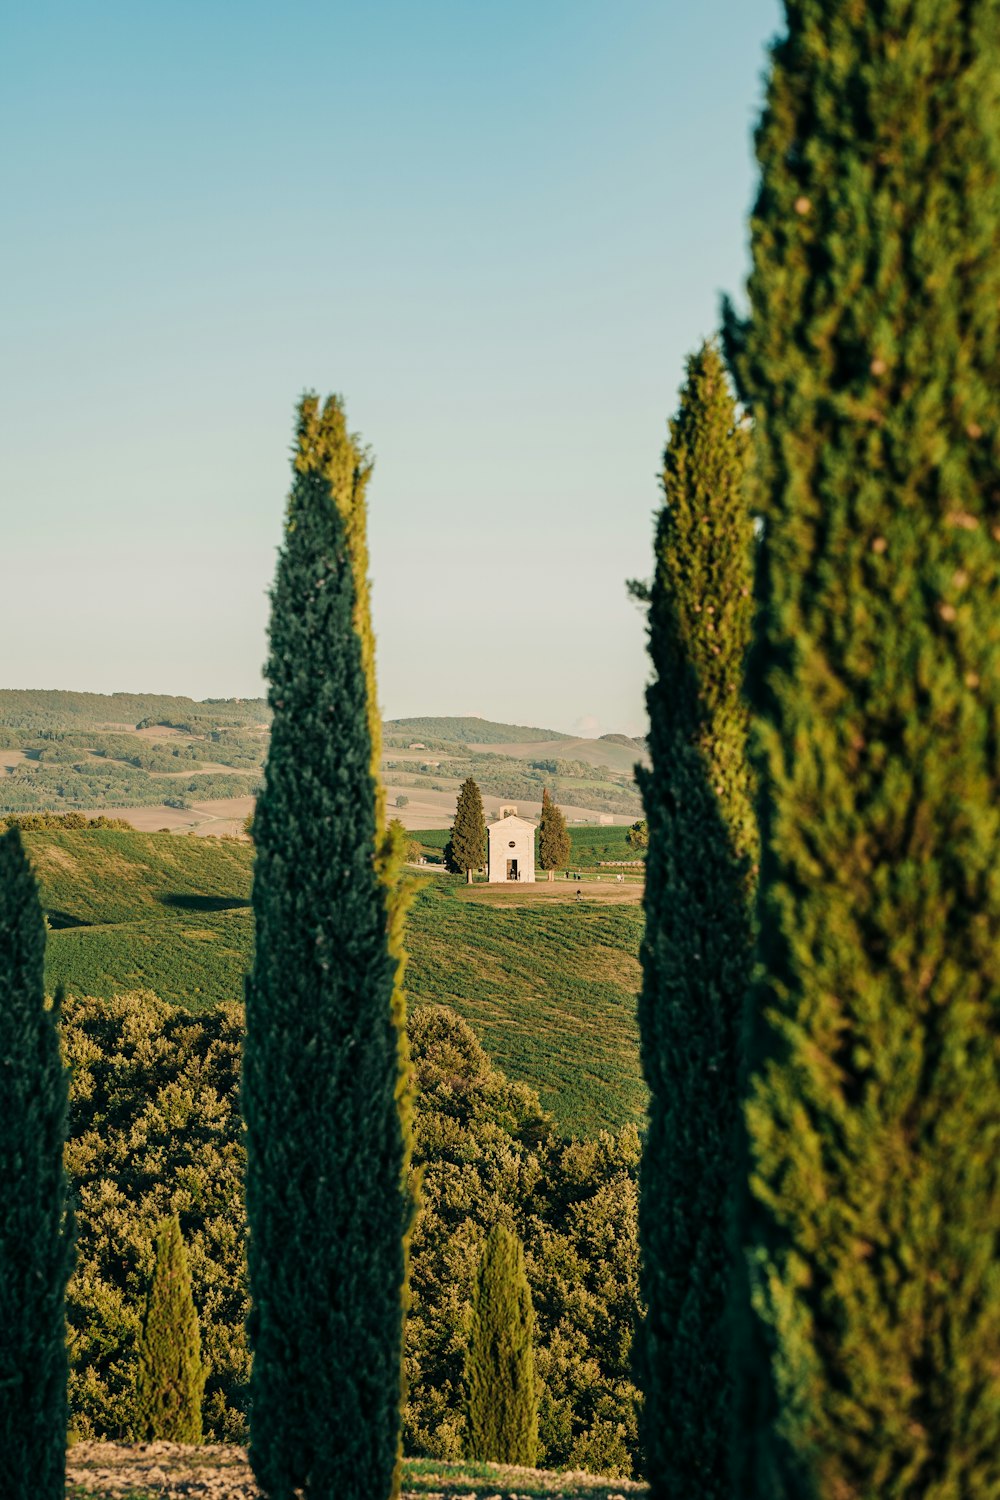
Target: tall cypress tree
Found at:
325, 1080
871, 359
325, 444
35, 1236
501, 1391
170, 1379
466, 848
553, 836
696, 950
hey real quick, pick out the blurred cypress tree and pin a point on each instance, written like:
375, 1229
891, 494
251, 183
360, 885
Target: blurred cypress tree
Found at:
871, 361
696, 952
35, 1229
465, 850
500, 1365
171, 1377
326, 1079
553, 837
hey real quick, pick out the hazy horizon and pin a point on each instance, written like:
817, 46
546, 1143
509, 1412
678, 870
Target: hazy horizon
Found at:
497, 237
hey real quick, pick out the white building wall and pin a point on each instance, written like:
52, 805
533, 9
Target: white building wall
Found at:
512, 839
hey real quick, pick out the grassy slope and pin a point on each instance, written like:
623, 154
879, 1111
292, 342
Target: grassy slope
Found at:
550, 987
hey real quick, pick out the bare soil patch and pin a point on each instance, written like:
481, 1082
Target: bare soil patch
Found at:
222, 817
605, 890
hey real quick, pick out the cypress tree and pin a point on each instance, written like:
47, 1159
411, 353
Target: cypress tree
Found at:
502, 1397
466, 847
170, 1379
696, 951
871, 359
326, 1083
35, 1237
553, 836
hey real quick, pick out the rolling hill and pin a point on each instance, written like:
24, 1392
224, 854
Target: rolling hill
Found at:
548, 983
174, 763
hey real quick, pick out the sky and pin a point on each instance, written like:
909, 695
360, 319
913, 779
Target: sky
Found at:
497, 231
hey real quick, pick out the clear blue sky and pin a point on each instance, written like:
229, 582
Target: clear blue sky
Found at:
497, 230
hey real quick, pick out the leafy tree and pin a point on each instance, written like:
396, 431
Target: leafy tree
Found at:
637, 837
402, 800
170, 1381
466, 848
697, 945
154, 1128
35, 1237
324, 1075
871, 359
553, 836
500, 1364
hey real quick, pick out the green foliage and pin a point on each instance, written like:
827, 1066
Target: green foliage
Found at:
871, 360
326, 1205
41, 710
170, 1378
696, 951
57, 822
637, 836
500, 1360
553, 839
35, 1236
487, 1154
154, 1131
466, 848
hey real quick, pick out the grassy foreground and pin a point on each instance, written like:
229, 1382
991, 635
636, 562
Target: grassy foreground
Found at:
168, 1471
549, 983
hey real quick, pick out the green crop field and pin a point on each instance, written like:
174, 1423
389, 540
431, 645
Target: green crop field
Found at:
549, 984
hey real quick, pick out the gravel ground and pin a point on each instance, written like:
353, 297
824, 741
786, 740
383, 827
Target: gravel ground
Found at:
173, 1471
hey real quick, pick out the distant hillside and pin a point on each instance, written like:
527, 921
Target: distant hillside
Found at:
550, 987
183, 760
40, 708
468, 731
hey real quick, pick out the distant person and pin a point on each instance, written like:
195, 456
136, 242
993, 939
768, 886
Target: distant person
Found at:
579, 893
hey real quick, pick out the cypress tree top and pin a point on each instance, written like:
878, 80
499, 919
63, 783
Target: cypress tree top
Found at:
871, 360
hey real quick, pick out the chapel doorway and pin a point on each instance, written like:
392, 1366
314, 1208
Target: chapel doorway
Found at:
512, 869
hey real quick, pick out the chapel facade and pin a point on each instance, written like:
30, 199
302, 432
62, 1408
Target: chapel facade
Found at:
512, 850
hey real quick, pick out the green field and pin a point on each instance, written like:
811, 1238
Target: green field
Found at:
590, 845
549, 985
